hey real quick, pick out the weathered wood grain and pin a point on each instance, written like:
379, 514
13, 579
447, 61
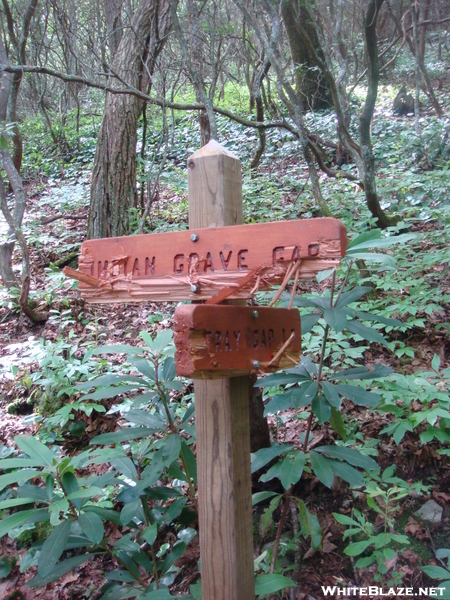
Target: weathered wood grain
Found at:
225, 341
166, 266
222, 411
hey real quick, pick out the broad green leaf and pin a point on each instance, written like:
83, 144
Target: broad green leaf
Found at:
350, 455
108, 514
71, 485
373, 371
321, 409
307, 322
171, 449
144, 367
367, 333
176, 553
92, 525
149, 534
175, 509
347, 473
364, 562
265, 455
358, 395
331, 394
59, 570
111, 392
125, 466
117, 349
337, 423
27, 490
344, 520
300, 395
162, 339
366, 236
269, 584
310, 524
168, 369
123, 435
5, 567
383, 242
436, 572
436, 363
352, 295
130, 511
444, 590
53, 547
261, 496
288, 470
15, 502
335, 318
372, 257
108, 380
18, 477
19, 463
35, 450
22, 518
142, 417
310, 392
399, 434
322, 469
4, 142
292, 468
189, 461
377, 318
279, 379
187, 535
279, 403
357, 548
266, 518
88, 492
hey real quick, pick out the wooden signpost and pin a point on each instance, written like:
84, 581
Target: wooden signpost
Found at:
218, 346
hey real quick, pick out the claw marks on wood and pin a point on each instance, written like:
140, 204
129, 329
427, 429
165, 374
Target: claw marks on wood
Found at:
219, 341
191, 266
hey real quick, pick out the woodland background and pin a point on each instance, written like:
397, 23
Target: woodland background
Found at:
335, 109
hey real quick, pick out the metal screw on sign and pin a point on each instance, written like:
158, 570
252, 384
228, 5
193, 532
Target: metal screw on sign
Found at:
194, 237
256, 364
195, 288
255, 314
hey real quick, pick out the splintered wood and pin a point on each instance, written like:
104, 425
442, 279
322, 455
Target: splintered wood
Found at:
219, 341
198, 264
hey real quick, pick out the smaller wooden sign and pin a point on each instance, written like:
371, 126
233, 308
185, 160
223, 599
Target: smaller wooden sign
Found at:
229, 341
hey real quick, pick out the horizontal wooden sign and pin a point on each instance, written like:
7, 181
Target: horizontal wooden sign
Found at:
196, 264
228, 341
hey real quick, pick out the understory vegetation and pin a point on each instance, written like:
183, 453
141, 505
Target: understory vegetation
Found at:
97, 456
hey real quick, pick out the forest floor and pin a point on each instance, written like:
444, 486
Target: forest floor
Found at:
21, 350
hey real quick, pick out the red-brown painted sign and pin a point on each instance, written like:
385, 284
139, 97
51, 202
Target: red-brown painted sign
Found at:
228, 341
195, 265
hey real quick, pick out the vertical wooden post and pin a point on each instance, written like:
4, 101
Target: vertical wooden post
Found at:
222, 410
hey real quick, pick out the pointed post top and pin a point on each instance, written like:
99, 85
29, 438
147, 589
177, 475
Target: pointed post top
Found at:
212, 148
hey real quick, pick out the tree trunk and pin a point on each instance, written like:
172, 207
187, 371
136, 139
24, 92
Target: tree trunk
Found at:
113, 187
113, 18
373, 75
311, 86
207, 119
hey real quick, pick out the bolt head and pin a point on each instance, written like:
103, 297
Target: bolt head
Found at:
194, 237
195, 288
255, 314
256, 364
